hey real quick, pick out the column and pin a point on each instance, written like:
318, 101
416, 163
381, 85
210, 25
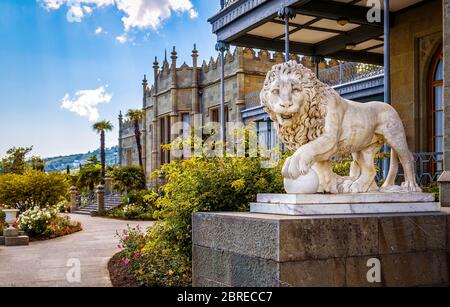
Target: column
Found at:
444, 180
286, 13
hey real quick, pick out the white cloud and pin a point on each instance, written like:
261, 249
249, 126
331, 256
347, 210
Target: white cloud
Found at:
99, 30
122, 39
75, 14
85, 102
140, 14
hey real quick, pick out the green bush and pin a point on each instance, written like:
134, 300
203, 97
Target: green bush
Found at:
198, 184
128, 178
136, 205
33, 188
2, 221
89, 176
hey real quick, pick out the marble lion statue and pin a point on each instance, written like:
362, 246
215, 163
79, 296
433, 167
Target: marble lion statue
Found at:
315, 123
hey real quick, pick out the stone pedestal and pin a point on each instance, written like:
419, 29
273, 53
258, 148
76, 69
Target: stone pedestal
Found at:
108, 185
444, 188
326, 204
100, 193
249, 249
17, 241
73, 199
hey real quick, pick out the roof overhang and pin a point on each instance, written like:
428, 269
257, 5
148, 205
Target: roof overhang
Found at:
314, 31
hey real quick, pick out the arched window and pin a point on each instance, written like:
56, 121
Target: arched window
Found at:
436, 108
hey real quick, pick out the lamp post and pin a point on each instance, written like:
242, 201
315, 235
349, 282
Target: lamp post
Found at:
387, 73
286, 13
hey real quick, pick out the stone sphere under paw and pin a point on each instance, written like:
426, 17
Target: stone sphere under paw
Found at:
307, 184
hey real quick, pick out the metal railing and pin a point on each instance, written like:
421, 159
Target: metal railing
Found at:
333, 76
226, 3
348, 72
427, 165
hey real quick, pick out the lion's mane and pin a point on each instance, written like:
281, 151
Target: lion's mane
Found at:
309, 123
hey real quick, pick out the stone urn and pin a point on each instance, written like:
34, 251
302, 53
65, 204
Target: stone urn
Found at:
10, 217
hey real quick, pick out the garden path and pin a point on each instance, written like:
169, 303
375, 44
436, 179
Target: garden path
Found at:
47, 263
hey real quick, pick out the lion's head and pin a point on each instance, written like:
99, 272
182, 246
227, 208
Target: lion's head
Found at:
296, 101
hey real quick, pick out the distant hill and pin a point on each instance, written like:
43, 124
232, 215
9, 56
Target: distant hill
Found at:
59, 164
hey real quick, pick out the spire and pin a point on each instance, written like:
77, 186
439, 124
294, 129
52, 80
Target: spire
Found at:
165, 54
174, 54
173, 69
120, 118
144, 82
194, 56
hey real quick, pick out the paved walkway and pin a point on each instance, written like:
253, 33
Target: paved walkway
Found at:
46, 263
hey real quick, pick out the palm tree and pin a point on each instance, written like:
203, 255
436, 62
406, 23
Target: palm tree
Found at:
101, 127
136, 116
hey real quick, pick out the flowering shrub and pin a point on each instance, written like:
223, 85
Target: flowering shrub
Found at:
46, 223
132, 211
35, 221
132, 241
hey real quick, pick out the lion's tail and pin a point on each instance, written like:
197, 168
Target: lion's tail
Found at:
393, 170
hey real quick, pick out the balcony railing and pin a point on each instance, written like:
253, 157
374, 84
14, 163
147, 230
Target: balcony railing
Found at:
226, 3
348, 72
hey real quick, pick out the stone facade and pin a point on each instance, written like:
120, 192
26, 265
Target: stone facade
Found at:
414, 42
245, 250
194, 91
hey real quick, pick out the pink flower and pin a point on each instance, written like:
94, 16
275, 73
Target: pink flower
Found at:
119, 246
126, 262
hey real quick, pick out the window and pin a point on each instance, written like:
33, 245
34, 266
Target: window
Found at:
164, 139
215, 116
186, 118
129, 155
436, 109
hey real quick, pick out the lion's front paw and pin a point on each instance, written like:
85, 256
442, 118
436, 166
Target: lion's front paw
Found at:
295, 167
346, 186
411, 186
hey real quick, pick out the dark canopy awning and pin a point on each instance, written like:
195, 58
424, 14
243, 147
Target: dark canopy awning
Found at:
336, 29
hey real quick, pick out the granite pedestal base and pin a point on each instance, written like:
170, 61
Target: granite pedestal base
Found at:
248, 249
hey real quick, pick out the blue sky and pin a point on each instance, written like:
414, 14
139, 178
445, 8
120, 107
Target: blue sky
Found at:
52, 49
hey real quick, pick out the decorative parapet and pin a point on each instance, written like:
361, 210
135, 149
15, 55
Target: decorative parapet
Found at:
226, 3
231, 10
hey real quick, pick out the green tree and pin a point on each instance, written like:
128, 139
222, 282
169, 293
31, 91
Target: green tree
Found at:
101, 128
128, 178
89, 175
37, 164
92, 160
15, 161
136, 116
33, 188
